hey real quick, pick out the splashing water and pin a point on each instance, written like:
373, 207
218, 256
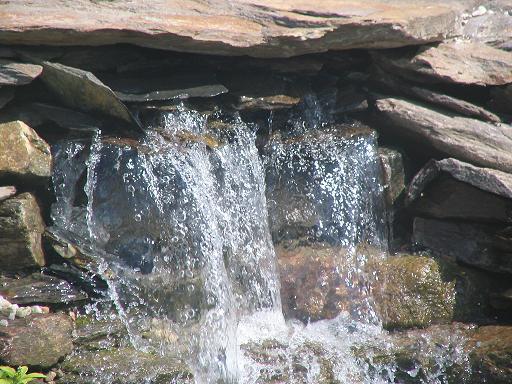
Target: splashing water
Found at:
181, 222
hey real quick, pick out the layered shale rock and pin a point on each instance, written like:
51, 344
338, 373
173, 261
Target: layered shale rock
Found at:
466, 139
264, 28
458, 62
12, 73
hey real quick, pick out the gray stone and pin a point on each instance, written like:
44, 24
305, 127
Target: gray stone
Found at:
23, 154
459, 62
37, 340
81, 90
466, 139
268, 28
12, 73
21, 226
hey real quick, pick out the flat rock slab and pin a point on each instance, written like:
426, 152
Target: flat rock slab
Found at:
21, 226
265, 28
6, 192
460, 62
23, 154
466, 139
39, 289
12, 73
37, 340
82, 90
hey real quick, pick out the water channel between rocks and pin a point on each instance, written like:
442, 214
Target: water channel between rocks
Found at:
188, 220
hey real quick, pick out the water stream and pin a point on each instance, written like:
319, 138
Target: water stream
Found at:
186, 220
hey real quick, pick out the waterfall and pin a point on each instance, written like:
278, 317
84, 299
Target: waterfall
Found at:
184, 222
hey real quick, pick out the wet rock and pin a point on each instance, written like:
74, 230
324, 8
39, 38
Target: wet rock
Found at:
311, 286
12, 73
466, 139
117, 367
459, 62
393, 173
409, 291
23, 154
81, 90
6, 95
480, 245
39, 289
38, 340
95, 334
6, 192
269, 29
280, 363
420, 355
177, 86
21, 226
491, 355
452, 189
350, 99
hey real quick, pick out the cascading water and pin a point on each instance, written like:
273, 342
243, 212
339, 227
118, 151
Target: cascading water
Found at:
181, 222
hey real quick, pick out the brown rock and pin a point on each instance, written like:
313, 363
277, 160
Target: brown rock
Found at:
83, 91
460, 62
264, 28
23, 154
467, 139
21, 226
37, 340
12, 73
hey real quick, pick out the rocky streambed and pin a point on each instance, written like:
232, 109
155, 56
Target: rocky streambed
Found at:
348, 163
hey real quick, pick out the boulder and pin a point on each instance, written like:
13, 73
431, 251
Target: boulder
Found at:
451, 189
37, 340
470, 140
256, 28
456, 62
12, 73
79, 89
482, 246
21, 226
23, 154
39, 289
409, 291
